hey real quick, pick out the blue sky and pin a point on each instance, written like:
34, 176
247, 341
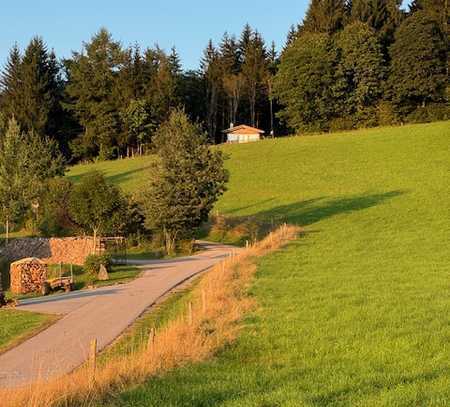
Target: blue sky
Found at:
186, 24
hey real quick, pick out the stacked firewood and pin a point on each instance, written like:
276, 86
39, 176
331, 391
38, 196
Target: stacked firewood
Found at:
27, 275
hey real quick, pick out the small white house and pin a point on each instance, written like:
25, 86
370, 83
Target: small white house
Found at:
243, 134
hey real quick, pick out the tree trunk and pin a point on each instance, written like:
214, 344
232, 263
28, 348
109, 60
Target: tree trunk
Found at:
253, 106
7, 230
169, 242
271, 118
95, 241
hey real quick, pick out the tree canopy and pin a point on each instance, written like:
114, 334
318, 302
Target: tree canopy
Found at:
187, 180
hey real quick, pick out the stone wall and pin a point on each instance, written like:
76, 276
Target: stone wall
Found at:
72, 250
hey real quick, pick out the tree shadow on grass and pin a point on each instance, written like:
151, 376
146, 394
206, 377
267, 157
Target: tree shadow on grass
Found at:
126, 176
306, 213
116, 179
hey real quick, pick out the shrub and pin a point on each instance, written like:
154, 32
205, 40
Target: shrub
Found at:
94, 261
4, 274
342, 123
236, 230
54, 218
430, 113
386, 115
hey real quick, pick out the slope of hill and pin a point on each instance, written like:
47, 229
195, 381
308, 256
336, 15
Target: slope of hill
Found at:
355, 312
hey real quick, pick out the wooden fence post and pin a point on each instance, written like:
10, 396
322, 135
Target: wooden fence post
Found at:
93, 359
151, 339
190, 315
203, 300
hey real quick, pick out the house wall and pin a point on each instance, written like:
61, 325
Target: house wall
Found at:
243, 138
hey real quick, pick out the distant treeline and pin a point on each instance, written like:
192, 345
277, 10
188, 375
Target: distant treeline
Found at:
348, 64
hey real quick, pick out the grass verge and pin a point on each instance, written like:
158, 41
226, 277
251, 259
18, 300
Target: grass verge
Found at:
18, 326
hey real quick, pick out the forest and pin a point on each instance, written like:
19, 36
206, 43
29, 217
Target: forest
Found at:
348, 64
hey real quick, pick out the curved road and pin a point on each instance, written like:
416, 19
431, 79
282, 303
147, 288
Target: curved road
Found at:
103, 313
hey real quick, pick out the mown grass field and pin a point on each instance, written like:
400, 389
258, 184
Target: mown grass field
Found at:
357, 312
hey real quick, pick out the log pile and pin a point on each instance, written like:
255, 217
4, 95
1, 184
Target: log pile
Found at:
27, 275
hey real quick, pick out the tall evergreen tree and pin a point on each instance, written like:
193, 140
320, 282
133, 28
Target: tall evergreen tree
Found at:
13, 189
40, 90
193, 95
10, 83
245, 38
324, 16
92, 77
211, 70
232, 80
32, 89
419, 61
254, 69
162, 86
291, 35
384, 16
27, 161
272, 68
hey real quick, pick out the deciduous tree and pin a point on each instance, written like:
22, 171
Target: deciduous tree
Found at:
304, 83
97, 206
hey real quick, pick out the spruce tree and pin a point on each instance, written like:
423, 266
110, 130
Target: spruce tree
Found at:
27, 161
211, 70
384, 16
40, 90
230, 54
419, 62
254, 69
245, 38
13, 176
92, 79
291, 35
10, 83
232, 80
188, 179
324, 16
162, 87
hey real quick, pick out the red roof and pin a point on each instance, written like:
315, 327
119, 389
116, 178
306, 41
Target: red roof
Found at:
244, 129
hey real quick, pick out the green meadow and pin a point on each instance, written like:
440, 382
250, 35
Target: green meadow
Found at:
16, 326
357, 311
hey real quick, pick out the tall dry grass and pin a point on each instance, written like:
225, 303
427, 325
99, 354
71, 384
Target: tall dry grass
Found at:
219, 301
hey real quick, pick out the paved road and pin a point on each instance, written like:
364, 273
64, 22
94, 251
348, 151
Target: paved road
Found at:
102, 313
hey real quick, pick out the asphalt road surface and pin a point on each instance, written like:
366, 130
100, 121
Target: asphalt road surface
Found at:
102, 313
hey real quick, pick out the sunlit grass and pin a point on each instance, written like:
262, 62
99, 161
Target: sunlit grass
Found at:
129, 174
16, 326
357, 311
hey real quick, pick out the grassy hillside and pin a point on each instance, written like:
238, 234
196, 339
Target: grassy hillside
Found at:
128, 173
357, 311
